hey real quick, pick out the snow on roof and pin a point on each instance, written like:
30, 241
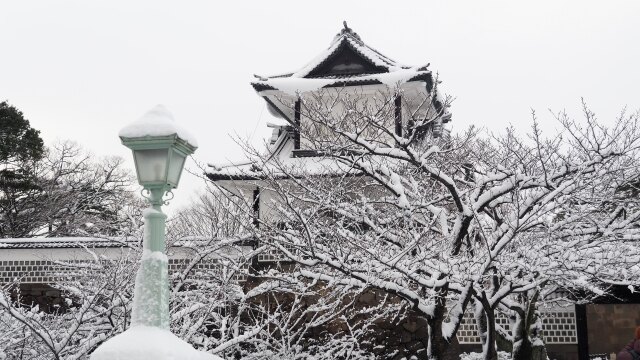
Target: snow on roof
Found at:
295, 85
283, 168
157, 122
66, 242
95, 242
388, 71
348, 37
279, 163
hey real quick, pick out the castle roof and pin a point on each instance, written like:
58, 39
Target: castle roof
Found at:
348, 61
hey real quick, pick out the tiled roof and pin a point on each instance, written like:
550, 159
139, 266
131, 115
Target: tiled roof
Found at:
95, 242
380, 69
349, 39
66, 242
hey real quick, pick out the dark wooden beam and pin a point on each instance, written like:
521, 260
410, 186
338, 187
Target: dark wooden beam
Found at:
582, 332
256, 207
398, 115
305, 153
296, 129
353, 83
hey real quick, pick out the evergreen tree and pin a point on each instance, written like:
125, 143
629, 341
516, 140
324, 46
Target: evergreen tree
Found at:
18, 140
60, 190
20, 149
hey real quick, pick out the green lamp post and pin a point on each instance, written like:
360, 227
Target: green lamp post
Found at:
160, 148
159, 161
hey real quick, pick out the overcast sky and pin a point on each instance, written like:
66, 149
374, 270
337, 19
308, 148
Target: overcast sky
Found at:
81, 70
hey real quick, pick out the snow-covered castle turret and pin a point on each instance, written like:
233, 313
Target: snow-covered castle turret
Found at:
353, 68
350, 69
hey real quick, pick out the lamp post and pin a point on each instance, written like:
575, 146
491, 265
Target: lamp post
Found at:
159, 160
159, 148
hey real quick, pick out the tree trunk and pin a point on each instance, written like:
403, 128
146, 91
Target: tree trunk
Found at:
441, 348
527, 335
522, 347
486, 322
490, 352
503, 343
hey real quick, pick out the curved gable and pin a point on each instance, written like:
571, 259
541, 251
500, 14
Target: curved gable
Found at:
345, 61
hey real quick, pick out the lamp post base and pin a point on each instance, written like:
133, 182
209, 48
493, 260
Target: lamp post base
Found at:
151, 295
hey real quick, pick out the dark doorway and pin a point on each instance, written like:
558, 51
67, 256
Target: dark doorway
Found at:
611, 326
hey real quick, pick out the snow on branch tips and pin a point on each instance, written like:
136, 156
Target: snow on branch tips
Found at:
441, 222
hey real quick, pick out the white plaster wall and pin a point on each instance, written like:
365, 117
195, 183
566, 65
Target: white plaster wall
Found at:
62, 254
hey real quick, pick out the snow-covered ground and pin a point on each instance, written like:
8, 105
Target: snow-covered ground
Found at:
145, 343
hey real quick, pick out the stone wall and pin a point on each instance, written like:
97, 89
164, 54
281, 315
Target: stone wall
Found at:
47, 298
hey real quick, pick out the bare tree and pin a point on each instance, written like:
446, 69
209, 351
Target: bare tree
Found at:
216, 305
212, 215
286, 317
84, 196
71, 193
442, 222
97, 306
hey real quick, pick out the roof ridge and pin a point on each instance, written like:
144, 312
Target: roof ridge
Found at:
384, 58
345, 40
346, 31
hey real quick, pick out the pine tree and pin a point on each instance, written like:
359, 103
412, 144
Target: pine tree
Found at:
20, 149
18, 140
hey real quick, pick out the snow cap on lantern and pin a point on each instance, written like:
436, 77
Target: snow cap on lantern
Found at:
160, 147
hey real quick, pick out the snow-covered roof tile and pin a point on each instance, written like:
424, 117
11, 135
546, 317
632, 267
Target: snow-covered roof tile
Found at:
346, 40
280, 168
296, 85
90, 242
348, 61
66, 242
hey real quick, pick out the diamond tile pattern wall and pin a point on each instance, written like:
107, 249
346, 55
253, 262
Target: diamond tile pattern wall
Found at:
559, 327
44, 272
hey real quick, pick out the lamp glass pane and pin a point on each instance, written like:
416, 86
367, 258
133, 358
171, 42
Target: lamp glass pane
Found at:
175, 168
152, 165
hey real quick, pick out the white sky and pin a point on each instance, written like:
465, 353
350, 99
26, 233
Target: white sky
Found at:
81, 70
